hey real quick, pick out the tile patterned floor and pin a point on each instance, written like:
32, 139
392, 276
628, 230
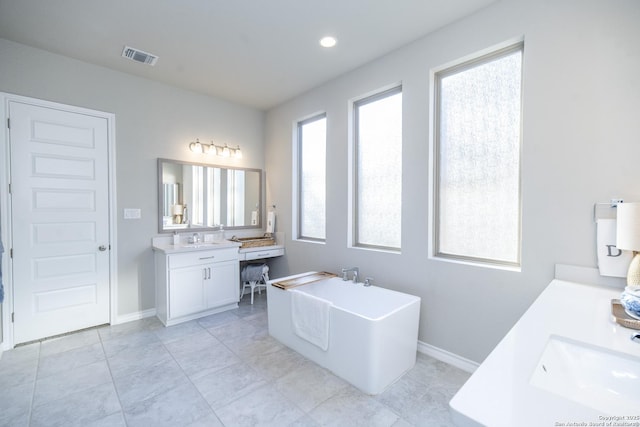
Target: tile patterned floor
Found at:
221, 370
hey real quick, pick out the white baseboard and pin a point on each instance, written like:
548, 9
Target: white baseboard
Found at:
138, 315
447, 357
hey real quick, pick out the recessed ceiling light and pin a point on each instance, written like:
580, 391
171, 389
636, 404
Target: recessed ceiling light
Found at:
328, 41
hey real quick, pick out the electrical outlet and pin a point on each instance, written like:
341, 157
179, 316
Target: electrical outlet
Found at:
132, 214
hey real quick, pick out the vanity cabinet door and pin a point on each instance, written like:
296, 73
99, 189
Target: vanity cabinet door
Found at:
222, 286
186, 290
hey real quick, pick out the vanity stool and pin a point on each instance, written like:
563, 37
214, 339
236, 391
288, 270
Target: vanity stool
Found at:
254, 276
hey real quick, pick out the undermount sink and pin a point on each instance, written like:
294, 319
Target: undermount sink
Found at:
593, 376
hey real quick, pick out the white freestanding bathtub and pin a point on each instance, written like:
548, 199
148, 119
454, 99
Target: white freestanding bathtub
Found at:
373, 331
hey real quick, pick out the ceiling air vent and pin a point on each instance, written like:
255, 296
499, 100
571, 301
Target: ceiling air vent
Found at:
139, 56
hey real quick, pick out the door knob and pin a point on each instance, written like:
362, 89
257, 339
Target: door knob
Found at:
102, 248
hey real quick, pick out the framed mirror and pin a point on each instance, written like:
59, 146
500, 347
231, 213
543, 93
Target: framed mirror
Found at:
200, 197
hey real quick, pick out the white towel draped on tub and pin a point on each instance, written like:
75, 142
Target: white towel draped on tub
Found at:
611, 260
310, 318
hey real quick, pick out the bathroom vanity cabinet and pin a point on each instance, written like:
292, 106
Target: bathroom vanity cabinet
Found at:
196, 283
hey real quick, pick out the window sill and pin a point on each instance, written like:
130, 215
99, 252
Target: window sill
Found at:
512, 268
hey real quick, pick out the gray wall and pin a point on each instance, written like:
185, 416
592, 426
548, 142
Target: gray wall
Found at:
152, 120
580, 146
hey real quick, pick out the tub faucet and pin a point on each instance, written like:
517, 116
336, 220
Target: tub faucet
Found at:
355, 272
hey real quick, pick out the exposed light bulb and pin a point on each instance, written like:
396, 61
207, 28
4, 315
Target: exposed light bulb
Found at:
196, 147
211, 148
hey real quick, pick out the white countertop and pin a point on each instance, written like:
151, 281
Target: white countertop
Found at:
164, 244
499, 392
169, 248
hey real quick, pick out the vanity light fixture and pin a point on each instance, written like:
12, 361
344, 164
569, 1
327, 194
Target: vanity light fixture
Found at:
218, 150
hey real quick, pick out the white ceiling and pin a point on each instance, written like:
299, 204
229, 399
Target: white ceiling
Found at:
254, 52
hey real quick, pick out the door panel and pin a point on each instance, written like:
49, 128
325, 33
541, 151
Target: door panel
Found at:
60, 219
222, 287
186, 290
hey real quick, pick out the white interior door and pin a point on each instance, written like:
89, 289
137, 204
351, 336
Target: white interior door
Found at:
60, 220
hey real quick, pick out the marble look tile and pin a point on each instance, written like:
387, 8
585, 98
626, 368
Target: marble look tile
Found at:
277, 364
179, 406
20, 354
417, 403
429, 371
18, 371
19, 365
217, 319
438, 375
254, 345
179, 331
149, 382
451, 379
113, 331
210, 360
264, 407
15, 404
201, 341
248, 310
399, 395
309, 385
78, 409
353, 408
246, 376
432, 410
402, 423
258, 317
261, 326
69, 360
233, 330
425, 369
69, 342
59, 386
210, 420
113, 420
305, 421
129, 341
127, 362
226, 385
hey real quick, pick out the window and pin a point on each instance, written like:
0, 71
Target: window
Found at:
378, 170
477, 159
312, 141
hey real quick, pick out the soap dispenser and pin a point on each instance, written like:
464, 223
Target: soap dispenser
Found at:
176, 238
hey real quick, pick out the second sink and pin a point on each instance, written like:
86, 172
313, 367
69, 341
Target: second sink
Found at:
593, 376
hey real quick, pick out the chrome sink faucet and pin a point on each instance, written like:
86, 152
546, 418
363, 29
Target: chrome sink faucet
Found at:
355, 272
